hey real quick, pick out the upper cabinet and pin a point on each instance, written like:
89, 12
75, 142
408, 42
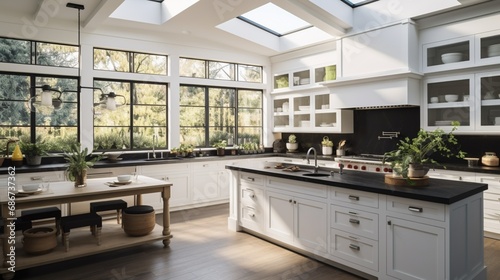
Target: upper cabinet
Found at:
304, 79
461, 53
310, 113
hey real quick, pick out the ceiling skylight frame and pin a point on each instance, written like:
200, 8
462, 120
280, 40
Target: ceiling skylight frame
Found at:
358, 4
260, 26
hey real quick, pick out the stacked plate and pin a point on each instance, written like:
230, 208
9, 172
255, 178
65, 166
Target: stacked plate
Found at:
494, 50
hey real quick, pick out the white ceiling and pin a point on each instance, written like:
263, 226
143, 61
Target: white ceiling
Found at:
202, 19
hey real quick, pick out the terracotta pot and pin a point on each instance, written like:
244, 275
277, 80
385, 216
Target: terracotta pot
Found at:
39, 240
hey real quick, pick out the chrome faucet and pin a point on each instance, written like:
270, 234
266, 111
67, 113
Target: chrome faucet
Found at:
316, 167
155, 139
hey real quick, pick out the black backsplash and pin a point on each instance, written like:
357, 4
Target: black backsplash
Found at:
369, 125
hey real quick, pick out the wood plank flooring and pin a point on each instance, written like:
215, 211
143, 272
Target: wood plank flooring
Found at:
203, 248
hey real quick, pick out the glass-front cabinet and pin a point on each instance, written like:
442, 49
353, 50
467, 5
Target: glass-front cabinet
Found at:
301, 78
447, 100
448, 55
281, 81
488, 48
473, 100
310, 113
488, 98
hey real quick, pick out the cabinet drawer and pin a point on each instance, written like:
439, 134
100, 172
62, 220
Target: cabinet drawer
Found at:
252, 178
416, 208
492, 202
205, 166
492, 189
252, 217
252, 195
354, 197
354, 221
356, 249
298, 187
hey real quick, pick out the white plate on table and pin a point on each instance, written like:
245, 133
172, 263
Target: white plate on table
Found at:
39, 190
122, 183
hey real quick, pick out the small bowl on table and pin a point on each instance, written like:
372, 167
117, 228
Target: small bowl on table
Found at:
31, 187
451, 97
123, 178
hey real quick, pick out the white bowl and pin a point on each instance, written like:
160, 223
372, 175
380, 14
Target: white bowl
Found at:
451, 57
31, 187
123, 178
451, 97
494, 48
493, 53
304, 108
113, 155
434, 99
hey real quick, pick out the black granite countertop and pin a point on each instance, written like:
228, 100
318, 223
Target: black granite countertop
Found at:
439, 191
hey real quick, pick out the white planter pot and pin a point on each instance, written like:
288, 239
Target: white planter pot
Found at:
292, 146
340, 152
327, 151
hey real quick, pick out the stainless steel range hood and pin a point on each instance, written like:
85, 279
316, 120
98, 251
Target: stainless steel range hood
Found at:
377, 92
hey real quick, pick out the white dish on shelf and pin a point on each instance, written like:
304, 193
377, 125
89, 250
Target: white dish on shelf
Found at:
305, 81
326, 125
493, 53
451, 57
494, 48
305, 123
451, 97
304, 108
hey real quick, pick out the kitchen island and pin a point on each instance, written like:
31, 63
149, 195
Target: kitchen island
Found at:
358, 223
81, 241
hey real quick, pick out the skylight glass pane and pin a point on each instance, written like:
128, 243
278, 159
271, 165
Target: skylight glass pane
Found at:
275, 19
357, 3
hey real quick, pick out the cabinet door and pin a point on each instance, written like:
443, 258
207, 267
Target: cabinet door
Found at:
414, 250
223, 181
280, 216
205, 186
488, 101
311, 224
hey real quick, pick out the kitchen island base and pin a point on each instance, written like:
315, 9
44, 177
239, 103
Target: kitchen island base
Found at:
359, 224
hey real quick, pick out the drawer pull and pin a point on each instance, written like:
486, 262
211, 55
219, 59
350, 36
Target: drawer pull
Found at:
251, 215
36, 178
354, 247
251, 179
354, 221
415, 209
353, 197
353, 213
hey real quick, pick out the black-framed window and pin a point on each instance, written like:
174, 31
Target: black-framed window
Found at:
19, 118
38, 53
212, 114
140, 118
219, 70
126, 61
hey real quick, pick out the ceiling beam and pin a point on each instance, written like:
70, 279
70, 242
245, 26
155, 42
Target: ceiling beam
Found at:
101, 13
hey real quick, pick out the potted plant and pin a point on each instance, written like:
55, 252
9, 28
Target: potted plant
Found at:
78, 162
220, 146
292, 144
327, 146
34, 152
410, 157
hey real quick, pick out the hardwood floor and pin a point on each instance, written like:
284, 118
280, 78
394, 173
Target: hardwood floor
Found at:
203, 248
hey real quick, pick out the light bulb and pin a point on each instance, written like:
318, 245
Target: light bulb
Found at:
46, 98
111, 103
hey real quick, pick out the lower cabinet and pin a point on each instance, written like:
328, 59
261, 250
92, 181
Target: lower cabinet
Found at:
298, 221
415, 250
491, 205
253, 206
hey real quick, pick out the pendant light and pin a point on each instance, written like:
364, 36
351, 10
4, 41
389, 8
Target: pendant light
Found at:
107, 100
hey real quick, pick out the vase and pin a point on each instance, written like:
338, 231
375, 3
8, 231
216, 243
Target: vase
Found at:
81, 179
417, 170
327, 151
34, 160
292, 146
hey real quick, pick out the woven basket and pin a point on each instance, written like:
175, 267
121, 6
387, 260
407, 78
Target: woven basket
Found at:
138, 224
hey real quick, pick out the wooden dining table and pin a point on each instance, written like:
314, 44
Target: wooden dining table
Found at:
81, 244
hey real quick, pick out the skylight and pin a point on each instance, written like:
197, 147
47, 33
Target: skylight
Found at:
274, 20
357, 3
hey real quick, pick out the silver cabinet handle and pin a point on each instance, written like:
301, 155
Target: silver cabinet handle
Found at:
415, 209
36, 178
252, 193
353, 213
353, 197
354, 247
251, 215
251, 179
354, 221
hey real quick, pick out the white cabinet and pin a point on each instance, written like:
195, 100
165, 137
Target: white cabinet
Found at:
205, 182
310, 113
415, 250
491, 205
304, 79
448, 55
297, 221
488, 101
253, 205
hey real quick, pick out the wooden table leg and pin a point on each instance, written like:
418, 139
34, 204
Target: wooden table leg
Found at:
166, 216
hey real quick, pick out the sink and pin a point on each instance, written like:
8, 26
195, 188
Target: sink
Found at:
316, 174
